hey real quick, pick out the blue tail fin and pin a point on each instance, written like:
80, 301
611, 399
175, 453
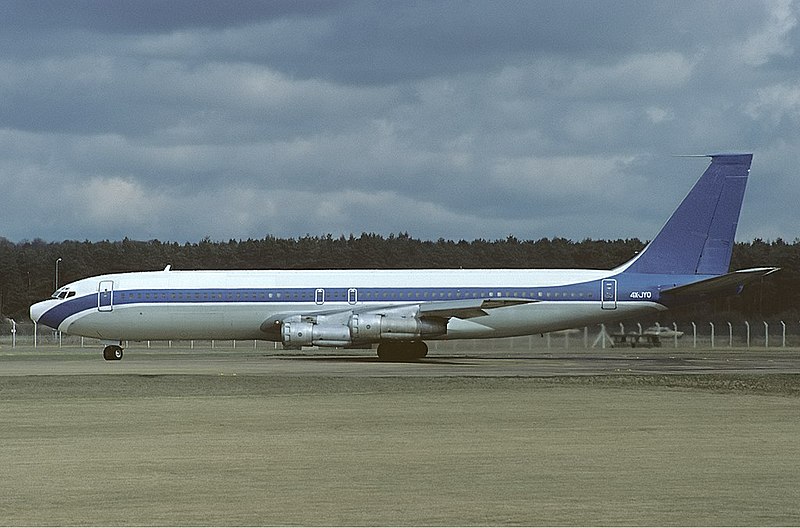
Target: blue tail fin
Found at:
698, 238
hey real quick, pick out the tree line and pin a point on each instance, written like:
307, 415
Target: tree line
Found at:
28, 268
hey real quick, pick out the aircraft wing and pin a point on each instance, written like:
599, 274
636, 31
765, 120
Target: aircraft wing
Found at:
467, 308
462, 309
733, 282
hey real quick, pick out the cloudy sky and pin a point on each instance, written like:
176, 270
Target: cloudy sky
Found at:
178, 120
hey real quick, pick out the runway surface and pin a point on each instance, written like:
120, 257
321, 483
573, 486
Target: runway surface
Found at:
244, 437
475, 363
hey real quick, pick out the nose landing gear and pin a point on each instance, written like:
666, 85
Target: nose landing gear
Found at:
112, 353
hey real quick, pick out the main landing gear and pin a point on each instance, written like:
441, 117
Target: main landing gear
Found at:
402, 351
112, 353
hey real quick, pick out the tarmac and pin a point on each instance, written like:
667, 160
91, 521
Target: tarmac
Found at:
466, 437
26, 361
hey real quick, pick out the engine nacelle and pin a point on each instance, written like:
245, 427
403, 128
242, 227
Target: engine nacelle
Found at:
296, 333
360, 328
377, 327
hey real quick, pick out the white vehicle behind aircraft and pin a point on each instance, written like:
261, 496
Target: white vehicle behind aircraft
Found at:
401, 309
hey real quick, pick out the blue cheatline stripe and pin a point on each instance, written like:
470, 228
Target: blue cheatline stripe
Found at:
56, 315
277, 295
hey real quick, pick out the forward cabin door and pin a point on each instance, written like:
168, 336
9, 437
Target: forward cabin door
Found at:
105, 296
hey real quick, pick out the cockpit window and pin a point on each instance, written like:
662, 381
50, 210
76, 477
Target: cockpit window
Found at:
63, 293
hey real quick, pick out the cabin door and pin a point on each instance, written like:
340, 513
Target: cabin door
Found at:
105, 296
609, 294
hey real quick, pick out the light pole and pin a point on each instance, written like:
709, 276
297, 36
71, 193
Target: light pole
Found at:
57, 261
59, 331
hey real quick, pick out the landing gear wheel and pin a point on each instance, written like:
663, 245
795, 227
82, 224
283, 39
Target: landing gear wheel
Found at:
402, 351
112, 353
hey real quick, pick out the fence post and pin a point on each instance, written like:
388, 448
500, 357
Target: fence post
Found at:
35, 332
712, 335
730, 335
694, 335
766, 334
675, 335
783, 334
13, 334
747, 325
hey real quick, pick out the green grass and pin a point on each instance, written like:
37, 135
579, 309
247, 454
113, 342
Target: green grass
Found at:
256, 450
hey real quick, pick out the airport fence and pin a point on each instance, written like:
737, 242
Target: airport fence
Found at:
688, 335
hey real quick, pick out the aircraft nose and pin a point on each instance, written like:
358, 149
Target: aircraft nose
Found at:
39, 309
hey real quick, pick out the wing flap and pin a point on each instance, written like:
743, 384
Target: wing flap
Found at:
467, 308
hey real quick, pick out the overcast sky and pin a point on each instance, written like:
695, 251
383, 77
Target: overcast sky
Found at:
178, 120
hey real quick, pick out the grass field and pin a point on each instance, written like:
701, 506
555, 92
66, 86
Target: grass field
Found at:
260, 450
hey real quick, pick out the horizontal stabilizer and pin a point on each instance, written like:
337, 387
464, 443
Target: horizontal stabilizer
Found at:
731, 282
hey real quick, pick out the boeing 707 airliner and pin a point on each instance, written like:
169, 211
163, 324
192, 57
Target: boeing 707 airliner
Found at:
399, 310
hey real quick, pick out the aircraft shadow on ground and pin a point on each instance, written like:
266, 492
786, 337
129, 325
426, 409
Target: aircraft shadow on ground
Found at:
361, 359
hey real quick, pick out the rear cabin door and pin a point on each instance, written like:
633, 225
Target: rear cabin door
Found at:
609, 294
105, 296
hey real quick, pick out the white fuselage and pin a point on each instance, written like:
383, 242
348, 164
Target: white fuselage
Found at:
244, 304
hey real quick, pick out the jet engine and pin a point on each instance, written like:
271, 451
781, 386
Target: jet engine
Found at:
360, 328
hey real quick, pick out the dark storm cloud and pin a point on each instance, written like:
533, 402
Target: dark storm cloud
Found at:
178, 120
152, 16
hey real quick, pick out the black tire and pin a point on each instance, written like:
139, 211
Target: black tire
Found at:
112, 353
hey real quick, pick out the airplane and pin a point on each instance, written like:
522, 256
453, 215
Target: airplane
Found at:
399, 310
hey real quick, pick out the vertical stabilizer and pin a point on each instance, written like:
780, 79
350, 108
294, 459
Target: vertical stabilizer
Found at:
699, 236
